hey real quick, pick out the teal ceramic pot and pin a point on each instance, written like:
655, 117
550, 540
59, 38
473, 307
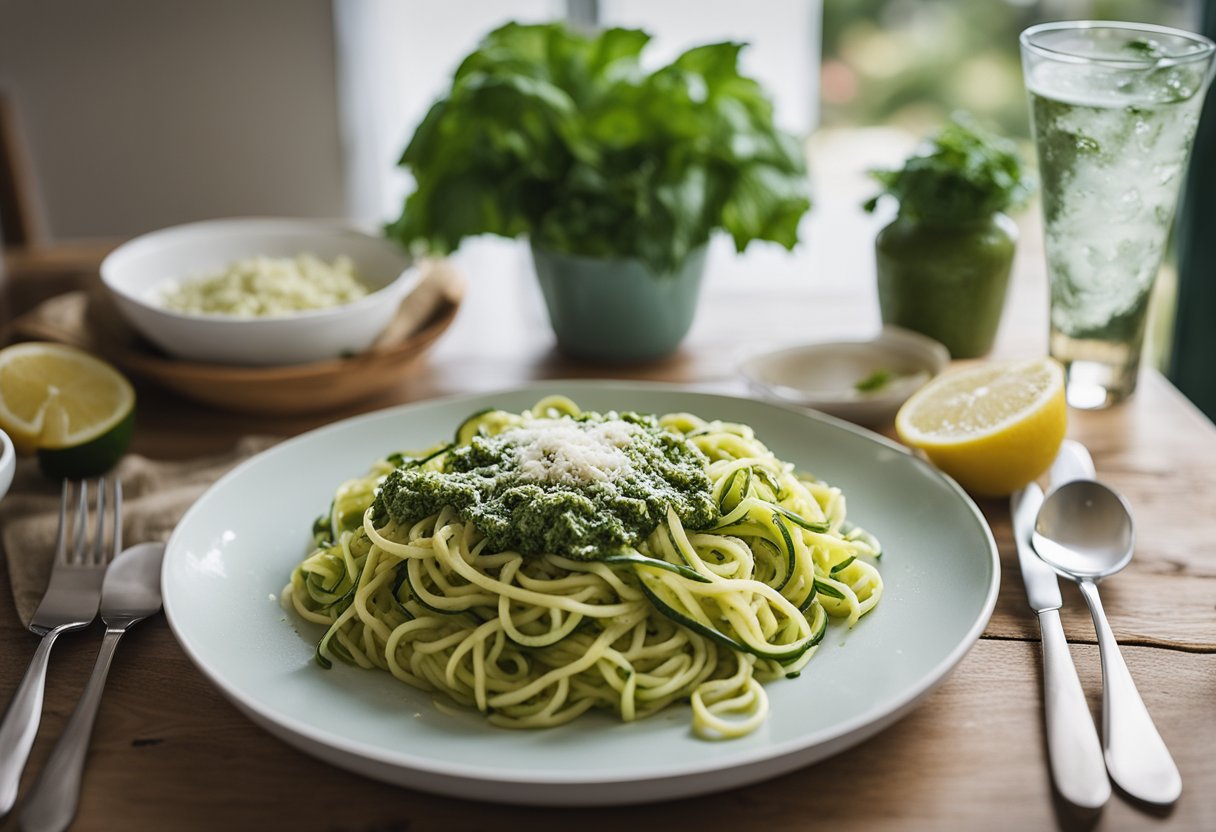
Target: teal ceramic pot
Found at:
617, 310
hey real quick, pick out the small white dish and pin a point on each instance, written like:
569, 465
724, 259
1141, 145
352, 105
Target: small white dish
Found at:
8, 463
832, 376
135, 271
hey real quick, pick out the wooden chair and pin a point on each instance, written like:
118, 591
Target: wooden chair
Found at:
34, 267
21, 223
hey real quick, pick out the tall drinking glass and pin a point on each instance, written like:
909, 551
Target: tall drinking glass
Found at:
1114, 108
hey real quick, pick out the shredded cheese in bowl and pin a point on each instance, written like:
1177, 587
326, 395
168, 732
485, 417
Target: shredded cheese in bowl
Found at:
267, 287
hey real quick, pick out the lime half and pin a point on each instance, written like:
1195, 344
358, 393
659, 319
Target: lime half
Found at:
75, 411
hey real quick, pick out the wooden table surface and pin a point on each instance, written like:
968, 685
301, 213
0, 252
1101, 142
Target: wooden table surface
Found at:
169, 752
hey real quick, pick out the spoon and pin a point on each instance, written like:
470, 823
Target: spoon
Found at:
1084, 530
129, 594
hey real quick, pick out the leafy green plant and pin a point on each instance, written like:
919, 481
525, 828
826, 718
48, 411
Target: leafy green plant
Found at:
961, 174
565, 138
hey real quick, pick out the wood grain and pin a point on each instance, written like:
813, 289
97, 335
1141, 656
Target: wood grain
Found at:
169, 752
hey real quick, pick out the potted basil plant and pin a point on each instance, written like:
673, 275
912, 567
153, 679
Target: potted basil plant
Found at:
616, 175
944, 262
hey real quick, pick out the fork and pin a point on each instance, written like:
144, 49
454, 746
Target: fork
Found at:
70, 603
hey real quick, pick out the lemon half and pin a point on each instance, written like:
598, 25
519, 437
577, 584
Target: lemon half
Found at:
993, 427
76, 411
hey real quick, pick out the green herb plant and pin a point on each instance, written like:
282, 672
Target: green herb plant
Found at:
960, 175
565, 138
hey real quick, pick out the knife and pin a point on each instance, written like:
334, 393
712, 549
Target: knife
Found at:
1077, 765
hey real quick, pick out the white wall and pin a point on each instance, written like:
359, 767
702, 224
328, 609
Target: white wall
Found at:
395, 58
144, 113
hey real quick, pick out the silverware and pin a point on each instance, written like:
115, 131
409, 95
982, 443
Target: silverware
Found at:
130, 594
70, 603
1085, 531
1072, 740
1072, 462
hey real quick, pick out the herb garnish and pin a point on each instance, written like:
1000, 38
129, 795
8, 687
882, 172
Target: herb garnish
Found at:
1145, 48
875, 381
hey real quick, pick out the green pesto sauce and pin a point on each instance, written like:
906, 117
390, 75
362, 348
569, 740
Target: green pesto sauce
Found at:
493, 483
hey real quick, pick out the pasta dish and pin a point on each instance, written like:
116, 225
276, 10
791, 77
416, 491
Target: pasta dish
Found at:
549, 562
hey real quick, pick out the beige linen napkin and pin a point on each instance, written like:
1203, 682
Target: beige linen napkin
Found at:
156, 494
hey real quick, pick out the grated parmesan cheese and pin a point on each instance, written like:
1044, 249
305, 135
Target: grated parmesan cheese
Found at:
572, 453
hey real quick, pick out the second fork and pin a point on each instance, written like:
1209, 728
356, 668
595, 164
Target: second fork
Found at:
70, 603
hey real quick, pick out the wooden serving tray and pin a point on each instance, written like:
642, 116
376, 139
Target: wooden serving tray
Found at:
90, 321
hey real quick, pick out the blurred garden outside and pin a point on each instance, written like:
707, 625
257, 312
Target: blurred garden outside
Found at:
909, 64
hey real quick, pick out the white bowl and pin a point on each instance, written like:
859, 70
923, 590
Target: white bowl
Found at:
824, 376
137, 270
8, 462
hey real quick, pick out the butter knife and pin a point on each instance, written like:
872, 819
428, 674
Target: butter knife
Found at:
1077, 766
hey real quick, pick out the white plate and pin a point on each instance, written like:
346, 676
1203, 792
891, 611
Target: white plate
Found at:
234, 550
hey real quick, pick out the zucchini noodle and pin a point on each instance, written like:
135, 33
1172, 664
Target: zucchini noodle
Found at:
698, 615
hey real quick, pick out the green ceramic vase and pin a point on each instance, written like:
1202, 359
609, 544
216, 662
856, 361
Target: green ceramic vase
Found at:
617, 310
946, 281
